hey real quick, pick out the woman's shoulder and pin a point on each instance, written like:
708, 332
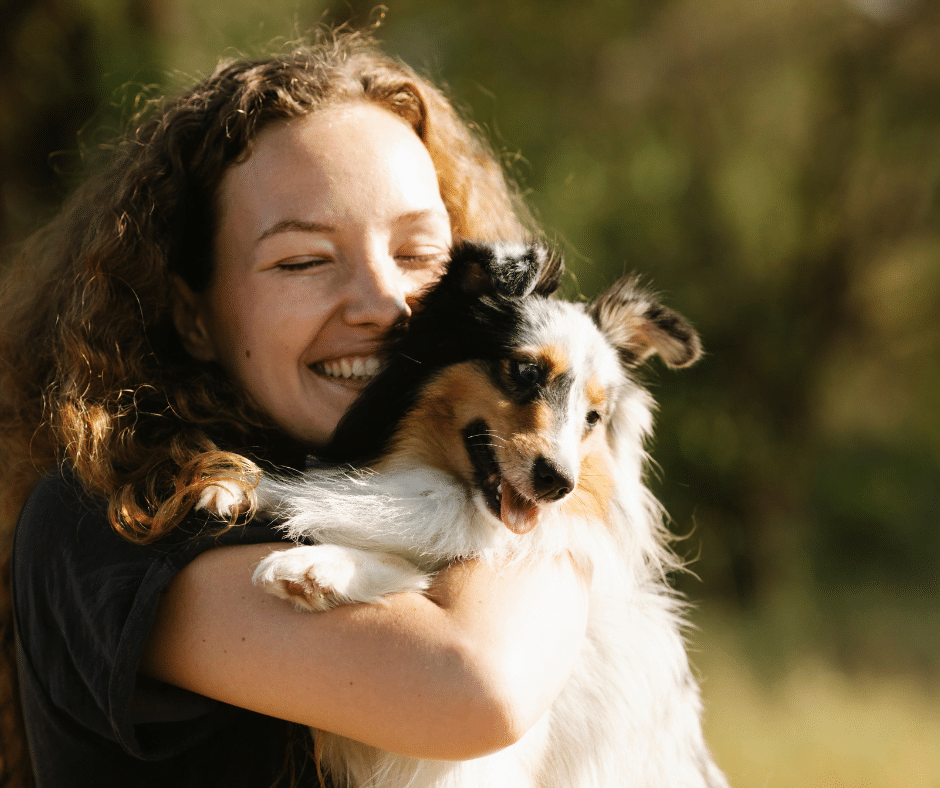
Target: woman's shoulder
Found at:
65, 522
57, 508
66, 555
64, 533
76, 577
61, 509
84, 599
60, 488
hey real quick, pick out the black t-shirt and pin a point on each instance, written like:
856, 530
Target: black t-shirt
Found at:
85, 600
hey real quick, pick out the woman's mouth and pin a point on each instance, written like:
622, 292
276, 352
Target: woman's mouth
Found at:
353, 368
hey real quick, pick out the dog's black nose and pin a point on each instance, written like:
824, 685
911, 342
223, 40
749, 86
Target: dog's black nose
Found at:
549, 482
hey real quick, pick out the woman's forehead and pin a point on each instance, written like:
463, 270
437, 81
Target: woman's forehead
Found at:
337, 167
332, 145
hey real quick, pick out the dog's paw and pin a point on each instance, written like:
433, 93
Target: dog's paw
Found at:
225, 498
318, 577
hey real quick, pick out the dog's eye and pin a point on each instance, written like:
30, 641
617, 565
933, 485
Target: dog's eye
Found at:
524, 373
593, 419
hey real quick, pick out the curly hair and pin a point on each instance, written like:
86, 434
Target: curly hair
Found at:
91, 368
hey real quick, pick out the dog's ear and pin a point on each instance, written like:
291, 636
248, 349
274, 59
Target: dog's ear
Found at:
639, 326
509, 269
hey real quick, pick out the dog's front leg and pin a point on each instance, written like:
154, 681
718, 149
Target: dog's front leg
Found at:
318, 577
228, 498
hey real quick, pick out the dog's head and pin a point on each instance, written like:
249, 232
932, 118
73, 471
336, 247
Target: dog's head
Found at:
509, 390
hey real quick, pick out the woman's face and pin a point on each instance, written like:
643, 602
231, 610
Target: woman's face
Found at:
326, 233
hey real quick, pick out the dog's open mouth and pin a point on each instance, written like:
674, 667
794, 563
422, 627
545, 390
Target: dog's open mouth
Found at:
517, 513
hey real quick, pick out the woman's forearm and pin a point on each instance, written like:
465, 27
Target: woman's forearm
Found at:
454, 675
521, 628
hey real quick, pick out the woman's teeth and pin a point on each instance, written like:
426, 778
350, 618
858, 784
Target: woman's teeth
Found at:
349, 368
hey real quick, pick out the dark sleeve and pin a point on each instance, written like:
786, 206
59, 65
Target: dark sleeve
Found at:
85, 600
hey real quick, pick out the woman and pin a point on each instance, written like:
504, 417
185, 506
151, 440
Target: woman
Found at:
209, 305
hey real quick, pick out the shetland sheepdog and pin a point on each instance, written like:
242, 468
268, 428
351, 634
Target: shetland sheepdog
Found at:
510, 425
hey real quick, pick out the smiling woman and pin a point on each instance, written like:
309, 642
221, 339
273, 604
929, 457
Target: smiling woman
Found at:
326, 235
205, 307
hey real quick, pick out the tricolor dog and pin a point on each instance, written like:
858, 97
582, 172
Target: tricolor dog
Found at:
510, 425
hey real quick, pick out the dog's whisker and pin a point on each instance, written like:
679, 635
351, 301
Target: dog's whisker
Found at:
489, 438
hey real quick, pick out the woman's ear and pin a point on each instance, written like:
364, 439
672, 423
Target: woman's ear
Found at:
189, 321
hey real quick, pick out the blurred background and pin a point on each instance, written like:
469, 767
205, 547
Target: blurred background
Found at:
772, 167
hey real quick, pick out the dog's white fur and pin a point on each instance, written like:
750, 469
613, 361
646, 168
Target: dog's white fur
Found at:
629, 716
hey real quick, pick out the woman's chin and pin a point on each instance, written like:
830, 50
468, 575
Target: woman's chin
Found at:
326, 400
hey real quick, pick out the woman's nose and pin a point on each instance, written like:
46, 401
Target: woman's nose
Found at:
378, 293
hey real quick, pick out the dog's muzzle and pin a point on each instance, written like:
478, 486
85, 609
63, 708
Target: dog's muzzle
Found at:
516, 511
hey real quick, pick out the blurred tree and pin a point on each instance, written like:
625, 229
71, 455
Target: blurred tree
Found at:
47, 76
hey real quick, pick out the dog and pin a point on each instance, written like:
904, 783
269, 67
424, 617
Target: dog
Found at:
510, 425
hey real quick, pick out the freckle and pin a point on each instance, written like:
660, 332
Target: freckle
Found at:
247, 354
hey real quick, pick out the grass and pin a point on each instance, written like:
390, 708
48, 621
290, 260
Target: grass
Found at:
807, 724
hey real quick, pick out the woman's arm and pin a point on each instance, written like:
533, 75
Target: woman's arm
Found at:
455, 675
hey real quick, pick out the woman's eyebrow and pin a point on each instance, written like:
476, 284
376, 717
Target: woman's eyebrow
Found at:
422, 214
295, 225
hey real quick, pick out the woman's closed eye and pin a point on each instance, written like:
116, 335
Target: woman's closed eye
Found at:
294, 264
421, 259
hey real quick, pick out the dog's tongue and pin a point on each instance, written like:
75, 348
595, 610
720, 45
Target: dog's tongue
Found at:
517, 514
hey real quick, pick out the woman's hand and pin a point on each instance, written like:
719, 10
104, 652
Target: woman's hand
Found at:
456, 674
